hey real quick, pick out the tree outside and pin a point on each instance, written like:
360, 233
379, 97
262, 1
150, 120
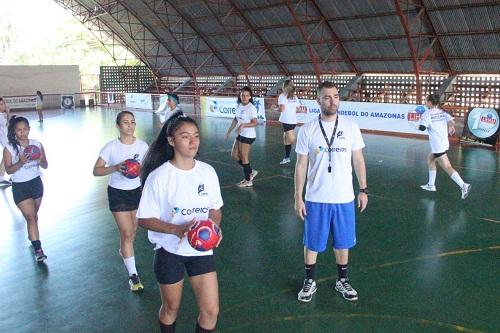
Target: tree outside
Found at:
40, 32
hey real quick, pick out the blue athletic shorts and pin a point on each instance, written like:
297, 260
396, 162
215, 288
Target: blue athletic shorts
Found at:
324, 219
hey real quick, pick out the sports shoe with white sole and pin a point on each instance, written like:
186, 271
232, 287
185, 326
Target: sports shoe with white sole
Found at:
285, 161
427, 187
466, 190
308, 289
40, 256
135, 283
245, 183
346, 290
253, 174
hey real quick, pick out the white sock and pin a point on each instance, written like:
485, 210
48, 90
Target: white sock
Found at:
130, 264
457, 179
432, 177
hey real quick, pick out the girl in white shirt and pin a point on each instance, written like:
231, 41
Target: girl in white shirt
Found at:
39, 105
178, 190
123, 193
4, 119
288, 107
27, 186
439, 124
245, 122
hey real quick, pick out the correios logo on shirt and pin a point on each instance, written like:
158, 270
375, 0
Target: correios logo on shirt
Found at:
189, 211
322, 149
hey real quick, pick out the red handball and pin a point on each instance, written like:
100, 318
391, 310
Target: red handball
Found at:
33, 152
204, 235
132, 168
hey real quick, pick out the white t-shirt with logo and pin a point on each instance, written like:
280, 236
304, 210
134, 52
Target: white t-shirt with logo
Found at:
289, 116
244, 115
436, 121
30, 169
177, 196
115, 152
334, 187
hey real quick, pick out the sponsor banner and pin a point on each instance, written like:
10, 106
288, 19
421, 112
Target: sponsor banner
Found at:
400, 118
482, 125
138, 101
226, 107
23, 102
482, 122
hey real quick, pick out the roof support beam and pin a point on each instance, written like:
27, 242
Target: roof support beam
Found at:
159, 39
433, 30
312, 54
234, 46
183, 84
271, 52
335, 38
224, 85
204, 39
416, 65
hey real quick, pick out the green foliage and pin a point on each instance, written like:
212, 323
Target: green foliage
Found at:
59, 42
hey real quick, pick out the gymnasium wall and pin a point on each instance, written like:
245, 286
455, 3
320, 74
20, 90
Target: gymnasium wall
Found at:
26, 80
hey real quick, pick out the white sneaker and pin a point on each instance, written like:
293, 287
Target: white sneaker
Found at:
245, 183
307, 291
466, 190
285, 161
344, 287
253, 174
427, 187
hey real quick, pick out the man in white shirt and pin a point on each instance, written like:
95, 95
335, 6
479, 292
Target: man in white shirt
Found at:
439, 124
325, 149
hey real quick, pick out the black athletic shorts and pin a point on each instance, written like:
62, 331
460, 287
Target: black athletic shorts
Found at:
169, 267
436, 155
32, 189
244, 139
288, 127
123, 200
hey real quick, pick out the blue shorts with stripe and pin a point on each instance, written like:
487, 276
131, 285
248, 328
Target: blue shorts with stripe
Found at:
323, 219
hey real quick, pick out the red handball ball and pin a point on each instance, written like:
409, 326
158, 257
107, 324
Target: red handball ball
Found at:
204, 235
33, 152
132, 168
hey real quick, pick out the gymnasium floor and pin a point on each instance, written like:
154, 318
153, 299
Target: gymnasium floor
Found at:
425, 262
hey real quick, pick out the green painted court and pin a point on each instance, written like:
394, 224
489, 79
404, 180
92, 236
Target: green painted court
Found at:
425, 262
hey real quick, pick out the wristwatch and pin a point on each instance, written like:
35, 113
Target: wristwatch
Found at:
364, 190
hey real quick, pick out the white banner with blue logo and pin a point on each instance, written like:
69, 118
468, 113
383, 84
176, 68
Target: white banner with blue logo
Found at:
138, 101
400, 118
225, 107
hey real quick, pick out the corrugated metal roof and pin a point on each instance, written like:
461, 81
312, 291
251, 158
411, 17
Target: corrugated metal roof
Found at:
240, 37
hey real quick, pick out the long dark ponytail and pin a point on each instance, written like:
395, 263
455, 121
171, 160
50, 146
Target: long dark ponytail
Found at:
160, 150
11, 131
